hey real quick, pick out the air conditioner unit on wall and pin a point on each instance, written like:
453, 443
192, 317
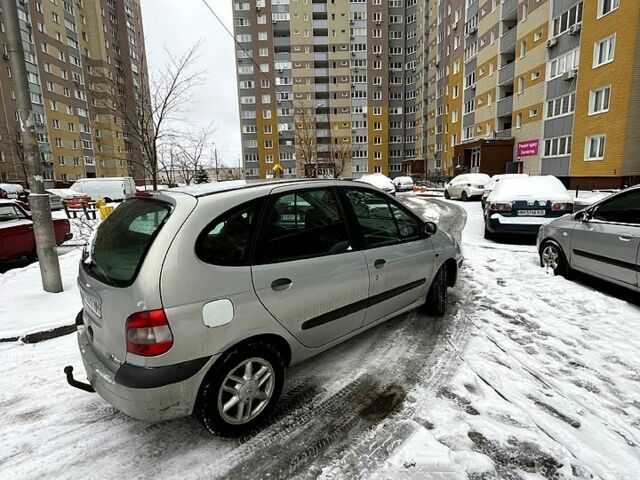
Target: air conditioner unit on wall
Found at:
575, 29
570, 75
552, 42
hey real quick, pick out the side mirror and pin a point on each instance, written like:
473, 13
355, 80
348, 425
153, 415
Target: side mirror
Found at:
583, 216
429, 228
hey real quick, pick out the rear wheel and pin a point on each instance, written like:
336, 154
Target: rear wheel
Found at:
437, 297
240, 391
552, 257
446, 195
464, 196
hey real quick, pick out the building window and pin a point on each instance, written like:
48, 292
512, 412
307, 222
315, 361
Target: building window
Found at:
560, 106
594, 148
523, 48
268, 144
607, 6
519, 120
604, 51
557, 147
564, 63
599, 100
568, 19
520, 85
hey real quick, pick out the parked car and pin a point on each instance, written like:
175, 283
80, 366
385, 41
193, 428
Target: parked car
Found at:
488, 188
55, 200
16, 231
280, 272
466, 186
403, 184
602, 240
521, 205
380, 181
111, 189
13, 191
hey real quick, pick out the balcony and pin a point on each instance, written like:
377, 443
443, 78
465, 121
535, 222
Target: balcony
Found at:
503, 133
508, 41
506, 74
509, 9
505, 107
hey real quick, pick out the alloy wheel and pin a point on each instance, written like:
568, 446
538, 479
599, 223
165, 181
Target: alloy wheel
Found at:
551, 257
246, 391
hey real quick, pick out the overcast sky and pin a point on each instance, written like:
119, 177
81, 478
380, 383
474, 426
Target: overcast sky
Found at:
176, 25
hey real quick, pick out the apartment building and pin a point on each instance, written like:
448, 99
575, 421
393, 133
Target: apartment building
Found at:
81, 57
445, 86
346, 73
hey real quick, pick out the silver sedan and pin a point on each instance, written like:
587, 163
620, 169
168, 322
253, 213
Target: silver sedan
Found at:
602, 240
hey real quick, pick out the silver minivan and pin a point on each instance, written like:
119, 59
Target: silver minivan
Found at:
195, 300
602, 240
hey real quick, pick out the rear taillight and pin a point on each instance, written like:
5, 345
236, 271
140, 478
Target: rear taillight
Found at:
148, 333
562, 207
500, 207
3, 194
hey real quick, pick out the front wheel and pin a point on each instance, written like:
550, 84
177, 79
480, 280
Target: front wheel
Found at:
241, 391
552, 257
464, 196
437, 297
447, 195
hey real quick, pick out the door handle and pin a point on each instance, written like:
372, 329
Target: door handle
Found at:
626, 237
381, 262
281, 284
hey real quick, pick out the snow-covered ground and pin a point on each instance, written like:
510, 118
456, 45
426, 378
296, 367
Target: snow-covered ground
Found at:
528, 376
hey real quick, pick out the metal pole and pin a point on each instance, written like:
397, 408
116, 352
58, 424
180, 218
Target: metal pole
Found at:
39, 201
215, 155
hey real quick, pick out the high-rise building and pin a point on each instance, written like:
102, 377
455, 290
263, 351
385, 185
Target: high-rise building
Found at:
446, 86
81, 57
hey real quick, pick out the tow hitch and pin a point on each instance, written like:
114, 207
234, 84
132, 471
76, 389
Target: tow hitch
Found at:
68, 370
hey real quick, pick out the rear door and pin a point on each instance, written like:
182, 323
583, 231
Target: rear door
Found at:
399, 260
306, 272
607, 244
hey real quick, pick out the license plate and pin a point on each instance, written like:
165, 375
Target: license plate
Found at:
531, 213
92, 302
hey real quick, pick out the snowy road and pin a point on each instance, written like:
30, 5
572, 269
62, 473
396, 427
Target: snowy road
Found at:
527, 376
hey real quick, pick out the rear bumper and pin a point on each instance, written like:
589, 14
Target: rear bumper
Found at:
141, 392
496, 223
474, 192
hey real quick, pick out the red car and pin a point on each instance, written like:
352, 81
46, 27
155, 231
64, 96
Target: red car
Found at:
16, 231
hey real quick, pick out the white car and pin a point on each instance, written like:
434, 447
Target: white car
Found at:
380, 181
466, 186
403, 184
488, 188
112, 189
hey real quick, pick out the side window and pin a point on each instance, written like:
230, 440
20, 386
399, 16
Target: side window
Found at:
624, 208
375, 218
7, 212
226, 240
303, 224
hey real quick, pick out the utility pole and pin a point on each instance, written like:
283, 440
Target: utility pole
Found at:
215, 156
38, 200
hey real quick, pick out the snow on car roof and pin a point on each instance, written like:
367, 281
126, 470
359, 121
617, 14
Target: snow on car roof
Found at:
496, 178
544, 187
12, 187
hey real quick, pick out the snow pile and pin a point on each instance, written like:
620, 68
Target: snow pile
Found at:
25, 308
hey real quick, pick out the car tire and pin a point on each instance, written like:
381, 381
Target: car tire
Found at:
552, 256
437, 297
446, 195
464, 197
488, 235
212, 396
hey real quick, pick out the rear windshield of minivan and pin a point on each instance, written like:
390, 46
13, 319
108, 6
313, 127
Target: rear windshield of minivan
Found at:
122, 241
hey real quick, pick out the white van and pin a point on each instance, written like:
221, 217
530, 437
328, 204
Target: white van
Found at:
112, 189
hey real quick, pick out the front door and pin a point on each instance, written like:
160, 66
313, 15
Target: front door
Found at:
17, 233
608, 243
306, 273
400, 260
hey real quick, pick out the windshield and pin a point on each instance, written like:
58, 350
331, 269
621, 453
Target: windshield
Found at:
123, 239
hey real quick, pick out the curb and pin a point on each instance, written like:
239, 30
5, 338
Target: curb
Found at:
42, 336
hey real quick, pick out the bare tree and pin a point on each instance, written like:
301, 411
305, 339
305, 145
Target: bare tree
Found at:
192, 147
341, 155
151, 113
306, 142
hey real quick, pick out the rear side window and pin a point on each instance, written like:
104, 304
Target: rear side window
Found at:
303, 224
123, 240
226, 240
9, 212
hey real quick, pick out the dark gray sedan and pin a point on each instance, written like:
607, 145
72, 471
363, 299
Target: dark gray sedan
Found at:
602, 240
